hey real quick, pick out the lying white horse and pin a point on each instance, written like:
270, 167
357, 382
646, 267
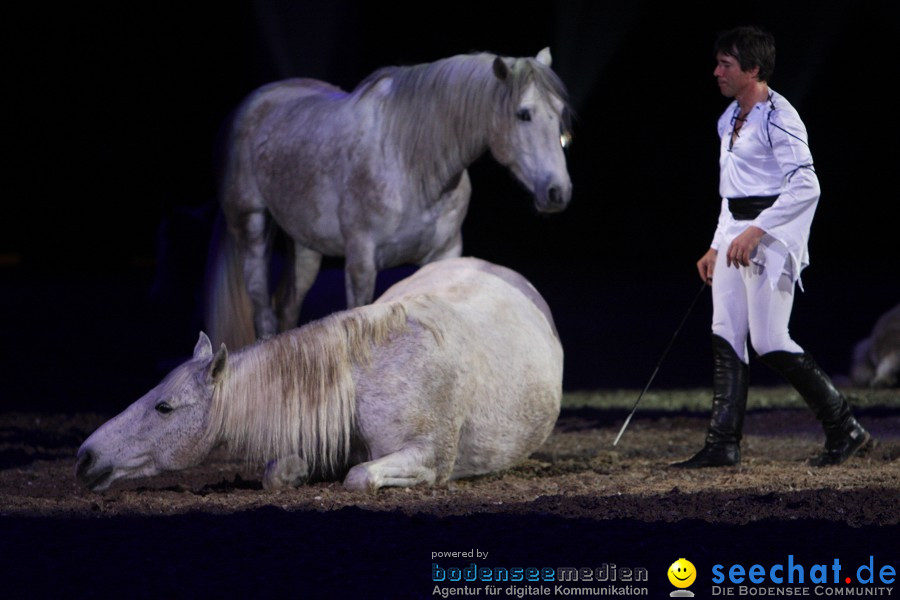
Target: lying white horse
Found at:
455, 371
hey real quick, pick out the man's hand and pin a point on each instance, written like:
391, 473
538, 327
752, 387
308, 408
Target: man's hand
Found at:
743, 246
706, 265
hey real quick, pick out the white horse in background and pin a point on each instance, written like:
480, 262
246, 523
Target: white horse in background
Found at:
876, 359
377, 175
455, 371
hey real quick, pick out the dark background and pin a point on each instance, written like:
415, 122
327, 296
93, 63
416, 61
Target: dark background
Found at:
110, 129
114, 112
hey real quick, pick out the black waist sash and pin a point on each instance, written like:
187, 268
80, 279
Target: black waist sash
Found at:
747, 209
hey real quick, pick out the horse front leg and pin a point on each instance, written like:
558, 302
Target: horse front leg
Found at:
410, 466
452, 249
454, 202
360, 272
297, 281
286, 472
253, 242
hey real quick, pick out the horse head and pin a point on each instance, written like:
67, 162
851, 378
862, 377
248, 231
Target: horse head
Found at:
531, 133
165, 430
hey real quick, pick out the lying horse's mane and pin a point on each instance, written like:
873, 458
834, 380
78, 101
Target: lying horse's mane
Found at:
294, 393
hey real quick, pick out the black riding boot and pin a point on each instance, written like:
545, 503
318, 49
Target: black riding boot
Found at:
844, 436
723, 439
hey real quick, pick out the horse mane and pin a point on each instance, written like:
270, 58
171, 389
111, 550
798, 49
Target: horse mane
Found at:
295, 394
447, 100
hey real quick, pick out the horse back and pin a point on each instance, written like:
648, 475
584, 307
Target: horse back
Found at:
253, 114
288, 90
439, 275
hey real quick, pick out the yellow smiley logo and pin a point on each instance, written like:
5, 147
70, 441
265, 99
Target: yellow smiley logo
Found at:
682, 573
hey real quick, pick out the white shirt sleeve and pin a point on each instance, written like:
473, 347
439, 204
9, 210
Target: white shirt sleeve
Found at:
799, 196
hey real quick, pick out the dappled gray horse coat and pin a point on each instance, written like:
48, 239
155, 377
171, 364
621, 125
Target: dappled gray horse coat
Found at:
377, 176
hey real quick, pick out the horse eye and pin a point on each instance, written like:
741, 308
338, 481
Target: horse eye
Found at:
565, 140
523, 114
164, 408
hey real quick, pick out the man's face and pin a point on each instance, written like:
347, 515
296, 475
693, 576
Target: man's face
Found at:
731, 79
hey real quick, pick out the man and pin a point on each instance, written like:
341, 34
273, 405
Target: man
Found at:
769, 193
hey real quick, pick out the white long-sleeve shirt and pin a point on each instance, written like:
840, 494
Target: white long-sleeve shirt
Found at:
770, 157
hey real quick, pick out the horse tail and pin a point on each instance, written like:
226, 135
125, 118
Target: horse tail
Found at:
228, 311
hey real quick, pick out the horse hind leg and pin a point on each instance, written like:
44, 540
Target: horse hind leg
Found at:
360, 272
404, 468
254, 243
296, 283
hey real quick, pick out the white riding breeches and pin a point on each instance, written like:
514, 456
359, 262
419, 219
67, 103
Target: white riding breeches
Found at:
745, 303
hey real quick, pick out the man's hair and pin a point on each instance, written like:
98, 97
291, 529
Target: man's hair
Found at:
751, 46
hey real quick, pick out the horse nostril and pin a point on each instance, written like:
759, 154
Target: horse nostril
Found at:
554, 195
85, 462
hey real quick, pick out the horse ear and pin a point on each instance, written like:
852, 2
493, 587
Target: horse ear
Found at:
216, 368
203, 348
544, 57
500, 69
383, 86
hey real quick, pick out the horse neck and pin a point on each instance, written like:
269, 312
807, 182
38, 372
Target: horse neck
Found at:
286, 397
445, 128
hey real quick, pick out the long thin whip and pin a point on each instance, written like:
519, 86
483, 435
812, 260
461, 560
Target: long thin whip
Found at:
661, 359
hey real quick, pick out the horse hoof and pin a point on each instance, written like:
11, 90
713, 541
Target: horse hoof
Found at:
360, 480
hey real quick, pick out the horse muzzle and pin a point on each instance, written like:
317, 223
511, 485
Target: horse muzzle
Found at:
553, 197
89, 474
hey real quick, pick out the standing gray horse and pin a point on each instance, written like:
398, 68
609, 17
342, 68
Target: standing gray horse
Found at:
377, 176
455, 371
